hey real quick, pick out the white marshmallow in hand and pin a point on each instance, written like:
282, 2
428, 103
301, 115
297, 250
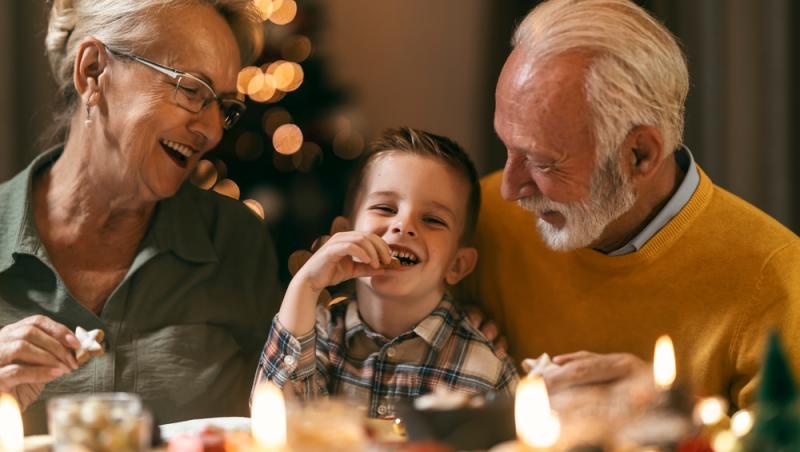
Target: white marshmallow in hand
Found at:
89, 344
537, 366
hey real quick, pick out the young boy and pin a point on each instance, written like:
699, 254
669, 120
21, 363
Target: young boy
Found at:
413, 204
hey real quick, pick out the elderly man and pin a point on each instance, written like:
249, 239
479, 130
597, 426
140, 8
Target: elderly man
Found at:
602, 233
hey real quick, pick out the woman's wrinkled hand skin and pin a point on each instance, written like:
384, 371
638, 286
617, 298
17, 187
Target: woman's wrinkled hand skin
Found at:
33, 352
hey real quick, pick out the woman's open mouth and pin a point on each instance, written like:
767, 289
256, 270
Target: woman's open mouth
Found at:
180, 153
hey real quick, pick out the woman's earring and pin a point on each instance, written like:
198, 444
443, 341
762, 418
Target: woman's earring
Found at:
89, 100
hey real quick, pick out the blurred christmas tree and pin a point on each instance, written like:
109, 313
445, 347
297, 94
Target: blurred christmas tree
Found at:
777, 423
291, 154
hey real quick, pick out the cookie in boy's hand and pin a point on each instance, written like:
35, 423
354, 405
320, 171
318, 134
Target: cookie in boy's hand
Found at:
90, 344
394, 264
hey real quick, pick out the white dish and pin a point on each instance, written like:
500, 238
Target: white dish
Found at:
229, 424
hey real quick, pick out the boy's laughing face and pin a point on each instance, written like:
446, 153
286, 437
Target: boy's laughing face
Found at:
418, 205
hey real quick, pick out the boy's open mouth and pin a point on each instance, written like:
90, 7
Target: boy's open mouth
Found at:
406, 258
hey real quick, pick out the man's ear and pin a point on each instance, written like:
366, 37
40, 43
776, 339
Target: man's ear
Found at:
643, 151
90, 64
463, 264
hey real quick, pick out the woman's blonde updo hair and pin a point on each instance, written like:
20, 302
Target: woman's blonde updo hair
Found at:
128, 25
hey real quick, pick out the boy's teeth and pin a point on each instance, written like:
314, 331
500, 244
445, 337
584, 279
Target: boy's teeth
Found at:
406, 256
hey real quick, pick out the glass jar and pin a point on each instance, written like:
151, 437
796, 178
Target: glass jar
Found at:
99, 422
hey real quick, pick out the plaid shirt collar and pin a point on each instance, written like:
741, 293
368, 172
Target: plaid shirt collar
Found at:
434, 329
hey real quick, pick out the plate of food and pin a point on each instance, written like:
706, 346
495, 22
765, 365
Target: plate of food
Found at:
195, 426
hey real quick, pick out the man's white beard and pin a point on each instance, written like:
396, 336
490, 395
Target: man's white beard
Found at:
611, 195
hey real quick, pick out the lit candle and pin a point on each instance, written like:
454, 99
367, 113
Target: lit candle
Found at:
268, 418
664, 363
537, 425
11, 435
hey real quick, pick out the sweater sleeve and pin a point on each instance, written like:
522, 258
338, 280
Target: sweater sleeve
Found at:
775, 304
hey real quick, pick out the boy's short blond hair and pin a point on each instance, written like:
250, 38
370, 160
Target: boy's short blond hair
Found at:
420, 142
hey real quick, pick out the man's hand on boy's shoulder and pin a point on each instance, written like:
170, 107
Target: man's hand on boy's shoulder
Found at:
487, 326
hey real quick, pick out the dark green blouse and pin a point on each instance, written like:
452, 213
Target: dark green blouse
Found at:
185, 327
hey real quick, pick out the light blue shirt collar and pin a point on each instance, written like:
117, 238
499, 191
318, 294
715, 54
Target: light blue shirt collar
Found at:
685, 160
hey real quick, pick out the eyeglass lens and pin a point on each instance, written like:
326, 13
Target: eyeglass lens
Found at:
194, 96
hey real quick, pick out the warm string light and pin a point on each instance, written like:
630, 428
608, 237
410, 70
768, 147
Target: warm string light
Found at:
741, 423
255, 206
710, 410
204, 175
228, 188
296, 48
287, 139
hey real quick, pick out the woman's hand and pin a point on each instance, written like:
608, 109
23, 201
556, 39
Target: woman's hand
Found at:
345, 256
33, 352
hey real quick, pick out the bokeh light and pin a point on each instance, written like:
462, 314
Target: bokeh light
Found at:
265, 8
222, 168
340, 224
310, 154
266, 90
287, 139
204, 175
244, 77
227, 188
348, 145
297, 260
297, 77
255, 206
271, 200
274, 118
285, 13
296, 48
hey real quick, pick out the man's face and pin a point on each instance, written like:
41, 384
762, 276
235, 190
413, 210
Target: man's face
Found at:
552, 169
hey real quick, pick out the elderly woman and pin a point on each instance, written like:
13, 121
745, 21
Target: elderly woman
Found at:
102, 232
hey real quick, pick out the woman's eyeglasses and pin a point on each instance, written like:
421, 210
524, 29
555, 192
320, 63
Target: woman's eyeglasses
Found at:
191, 93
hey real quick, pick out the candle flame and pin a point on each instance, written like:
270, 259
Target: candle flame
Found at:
537, 425
664, 363
11, 436
268, 417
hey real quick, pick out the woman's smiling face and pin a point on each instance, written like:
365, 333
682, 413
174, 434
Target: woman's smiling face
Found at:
153, 144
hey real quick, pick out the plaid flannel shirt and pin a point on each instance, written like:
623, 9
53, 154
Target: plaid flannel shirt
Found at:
344, 357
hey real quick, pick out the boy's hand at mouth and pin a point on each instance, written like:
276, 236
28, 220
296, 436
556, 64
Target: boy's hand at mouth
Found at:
346, 255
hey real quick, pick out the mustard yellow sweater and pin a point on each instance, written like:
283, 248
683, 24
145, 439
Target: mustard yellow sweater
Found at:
716, 279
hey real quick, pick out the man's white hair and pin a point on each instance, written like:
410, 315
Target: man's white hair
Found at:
637, 74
